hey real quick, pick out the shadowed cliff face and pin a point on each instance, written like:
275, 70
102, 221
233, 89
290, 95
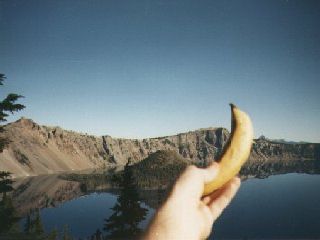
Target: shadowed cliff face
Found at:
268, 158
201, 146
36, 149
265, 150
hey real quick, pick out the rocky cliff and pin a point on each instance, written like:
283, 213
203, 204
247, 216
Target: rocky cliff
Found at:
36, 149
271, 157
201, 145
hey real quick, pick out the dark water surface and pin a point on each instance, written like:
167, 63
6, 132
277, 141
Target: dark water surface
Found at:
281, 206
84, 215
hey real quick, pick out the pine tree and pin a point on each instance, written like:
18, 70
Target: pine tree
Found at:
7, 215
7, 106
97, 235
53, 235
5, 183
38, 226
66, 233
27, 225
127, 212
33, 224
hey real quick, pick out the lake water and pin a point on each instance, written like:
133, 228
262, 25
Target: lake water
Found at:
280, 206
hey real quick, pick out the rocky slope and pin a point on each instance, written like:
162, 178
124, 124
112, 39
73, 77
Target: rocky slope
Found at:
265, 150
36, 149
202, 145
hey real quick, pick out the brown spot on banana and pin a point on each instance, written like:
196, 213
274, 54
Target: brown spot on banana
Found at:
236, 151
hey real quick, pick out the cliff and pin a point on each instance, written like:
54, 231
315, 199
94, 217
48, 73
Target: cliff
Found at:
272, 157
201, 145
36, 149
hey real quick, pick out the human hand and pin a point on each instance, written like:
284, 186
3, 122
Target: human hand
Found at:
188, 215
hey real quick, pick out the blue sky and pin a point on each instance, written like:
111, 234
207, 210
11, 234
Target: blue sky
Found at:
153, 68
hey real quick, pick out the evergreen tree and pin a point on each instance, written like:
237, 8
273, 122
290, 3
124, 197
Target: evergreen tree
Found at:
27, 225
7, 214
38, 226
5, 183
97, 235
33, 223
7, 106
66, 233
127, 212
7, 211
53, 235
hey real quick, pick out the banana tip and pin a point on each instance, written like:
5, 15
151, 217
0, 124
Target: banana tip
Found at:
232, 105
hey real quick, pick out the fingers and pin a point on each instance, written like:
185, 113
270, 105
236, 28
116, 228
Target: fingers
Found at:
191, 183
210, 172
220, 199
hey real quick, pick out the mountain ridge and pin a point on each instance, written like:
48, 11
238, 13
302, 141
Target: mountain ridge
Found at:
36, 149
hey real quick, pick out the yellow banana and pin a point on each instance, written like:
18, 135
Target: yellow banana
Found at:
236, 151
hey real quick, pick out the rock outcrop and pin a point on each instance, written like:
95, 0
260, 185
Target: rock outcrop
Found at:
265, 150
202, 146
36, 149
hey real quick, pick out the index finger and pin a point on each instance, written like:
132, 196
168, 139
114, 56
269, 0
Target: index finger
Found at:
222, 197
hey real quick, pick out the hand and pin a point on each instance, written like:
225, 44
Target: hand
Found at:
188, 215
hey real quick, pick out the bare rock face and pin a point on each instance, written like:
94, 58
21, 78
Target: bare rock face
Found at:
36, 149
268, 150
270, 157
202, 146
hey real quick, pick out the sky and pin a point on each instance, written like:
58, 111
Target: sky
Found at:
150, 68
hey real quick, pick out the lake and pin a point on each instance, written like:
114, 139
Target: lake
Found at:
280, 206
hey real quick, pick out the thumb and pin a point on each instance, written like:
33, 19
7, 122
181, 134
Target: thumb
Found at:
191, 183
210, 172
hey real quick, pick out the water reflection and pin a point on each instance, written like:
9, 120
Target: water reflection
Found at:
94, 207
280, 207
7, 211
127, 211
7, 215
33, 223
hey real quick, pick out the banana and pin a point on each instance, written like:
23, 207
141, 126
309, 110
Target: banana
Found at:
236, 151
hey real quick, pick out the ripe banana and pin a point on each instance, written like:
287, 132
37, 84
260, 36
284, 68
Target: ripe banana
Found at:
236, 151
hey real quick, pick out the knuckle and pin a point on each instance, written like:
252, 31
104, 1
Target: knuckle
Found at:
216, 210
192, 170
235, 184
224, 201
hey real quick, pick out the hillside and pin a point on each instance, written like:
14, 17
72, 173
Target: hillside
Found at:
159, 169
36, 149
